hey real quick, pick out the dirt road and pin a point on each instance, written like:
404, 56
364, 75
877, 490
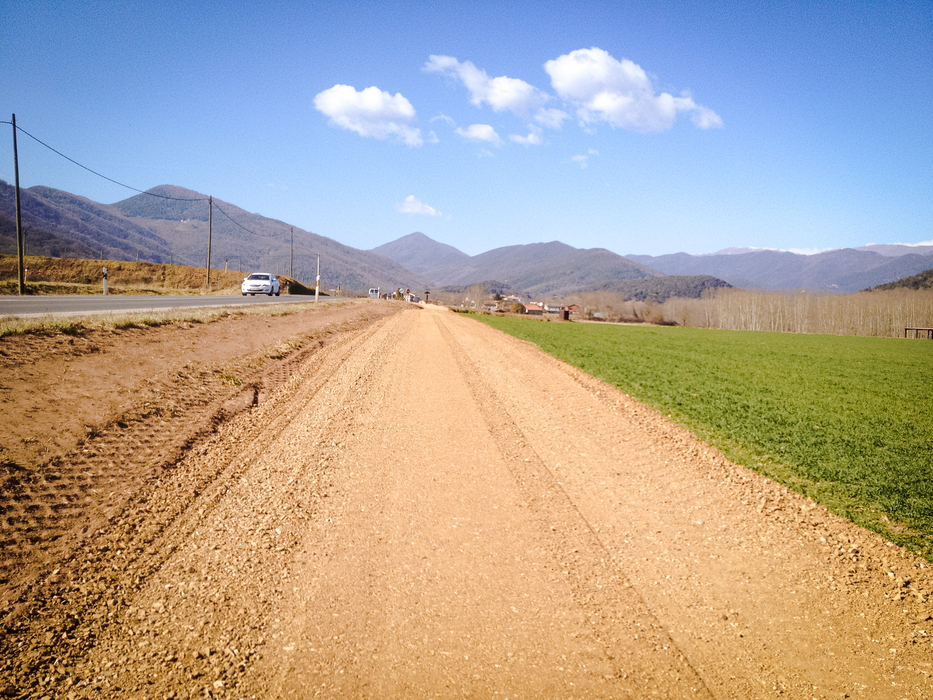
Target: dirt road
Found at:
428, 508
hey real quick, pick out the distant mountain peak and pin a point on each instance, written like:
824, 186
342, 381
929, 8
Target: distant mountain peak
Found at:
547, 269
420, 253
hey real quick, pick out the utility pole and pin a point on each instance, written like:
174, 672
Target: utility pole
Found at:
291, 265
210, 226
20, 242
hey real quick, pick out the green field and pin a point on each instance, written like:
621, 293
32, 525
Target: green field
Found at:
845, 420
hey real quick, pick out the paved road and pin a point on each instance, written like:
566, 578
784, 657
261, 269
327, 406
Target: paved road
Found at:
68, 305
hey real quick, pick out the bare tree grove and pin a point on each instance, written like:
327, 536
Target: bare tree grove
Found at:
878, 313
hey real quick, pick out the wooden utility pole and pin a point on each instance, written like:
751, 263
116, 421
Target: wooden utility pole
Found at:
210, 226
291, 264
20, 242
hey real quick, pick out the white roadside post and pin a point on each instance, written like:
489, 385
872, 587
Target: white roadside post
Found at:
105, 281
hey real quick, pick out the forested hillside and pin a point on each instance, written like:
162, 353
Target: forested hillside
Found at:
922, 281
660, 289
64, 225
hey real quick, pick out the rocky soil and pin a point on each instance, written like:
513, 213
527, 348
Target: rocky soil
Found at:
381, 500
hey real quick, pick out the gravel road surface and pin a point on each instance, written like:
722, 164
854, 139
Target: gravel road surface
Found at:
424, 507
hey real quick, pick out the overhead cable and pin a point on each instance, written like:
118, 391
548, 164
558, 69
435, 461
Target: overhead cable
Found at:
151, 194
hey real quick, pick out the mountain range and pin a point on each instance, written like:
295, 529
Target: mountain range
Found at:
540, 269
169, 224
842, 270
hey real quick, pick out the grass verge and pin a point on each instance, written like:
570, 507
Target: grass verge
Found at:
75, 325
847, 421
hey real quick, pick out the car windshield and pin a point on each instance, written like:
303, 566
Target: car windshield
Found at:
258, 277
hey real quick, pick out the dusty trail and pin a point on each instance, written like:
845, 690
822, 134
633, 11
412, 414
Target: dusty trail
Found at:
431, 508
435, 575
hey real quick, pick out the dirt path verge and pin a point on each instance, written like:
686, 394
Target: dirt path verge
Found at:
87, 419
427, 507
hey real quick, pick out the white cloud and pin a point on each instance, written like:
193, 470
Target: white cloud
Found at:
705, 118
620, 93
551, 118
480, 132
411, 205
751, 249
583, 161
502, 93
371, 112
533, 138
803, 251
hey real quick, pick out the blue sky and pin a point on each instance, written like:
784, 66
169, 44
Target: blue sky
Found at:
642, 127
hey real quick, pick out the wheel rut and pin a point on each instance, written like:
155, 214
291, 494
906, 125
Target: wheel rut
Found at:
91, 601
641, 650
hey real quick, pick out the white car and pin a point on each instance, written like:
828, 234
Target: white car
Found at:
261, 283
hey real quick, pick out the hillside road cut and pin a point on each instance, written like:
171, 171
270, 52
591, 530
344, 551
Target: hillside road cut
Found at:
430, 508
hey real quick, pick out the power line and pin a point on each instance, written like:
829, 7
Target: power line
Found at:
261, 235
303, 245
134, 189
109, 179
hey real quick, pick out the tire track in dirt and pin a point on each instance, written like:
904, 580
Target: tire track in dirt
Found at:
70, 627
373, 573
84, 485
645, 656
425, 573
45, 508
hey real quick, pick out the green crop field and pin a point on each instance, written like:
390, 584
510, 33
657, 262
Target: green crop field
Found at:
845, 420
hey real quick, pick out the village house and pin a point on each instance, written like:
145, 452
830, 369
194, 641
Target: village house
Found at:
534, 309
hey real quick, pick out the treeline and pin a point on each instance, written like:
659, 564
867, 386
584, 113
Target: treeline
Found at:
875, 313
